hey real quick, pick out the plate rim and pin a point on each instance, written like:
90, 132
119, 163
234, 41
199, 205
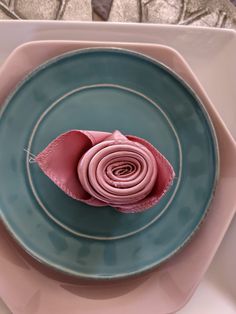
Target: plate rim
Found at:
207, 117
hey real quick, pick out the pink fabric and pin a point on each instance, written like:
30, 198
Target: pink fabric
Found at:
99, 168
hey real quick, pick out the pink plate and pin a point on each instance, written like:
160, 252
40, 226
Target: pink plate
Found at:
28, 287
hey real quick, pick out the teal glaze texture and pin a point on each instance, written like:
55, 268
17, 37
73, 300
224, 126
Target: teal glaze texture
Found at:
104, 89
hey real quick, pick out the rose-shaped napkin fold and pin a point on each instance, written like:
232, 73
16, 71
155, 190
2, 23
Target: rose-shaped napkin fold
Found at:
100, 168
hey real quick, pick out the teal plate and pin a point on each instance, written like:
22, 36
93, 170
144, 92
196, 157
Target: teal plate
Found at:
104, 89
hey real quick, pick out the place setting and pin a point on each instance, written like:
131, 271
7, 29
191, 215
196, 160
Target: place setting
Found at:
114, 167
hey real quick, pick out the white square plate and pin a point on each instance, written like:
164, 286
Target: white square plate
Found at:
209, 52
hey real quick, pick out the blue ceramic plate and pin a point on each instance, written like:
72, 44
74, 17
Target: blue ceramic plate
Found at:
104, 89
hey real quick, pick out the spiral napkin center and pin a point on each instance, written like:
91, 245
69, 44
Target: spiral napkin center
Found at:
118, 172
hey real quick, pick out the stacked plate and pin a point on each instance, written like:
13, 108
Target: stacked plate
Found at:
148, 90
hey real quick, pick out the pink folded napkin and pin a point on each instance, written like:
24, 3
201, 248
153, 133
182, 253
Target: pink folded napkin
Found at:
100, 168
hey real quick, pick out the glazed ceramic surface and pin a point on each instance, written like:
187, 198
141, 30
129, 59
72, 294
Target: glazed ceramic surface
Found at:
104, 89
